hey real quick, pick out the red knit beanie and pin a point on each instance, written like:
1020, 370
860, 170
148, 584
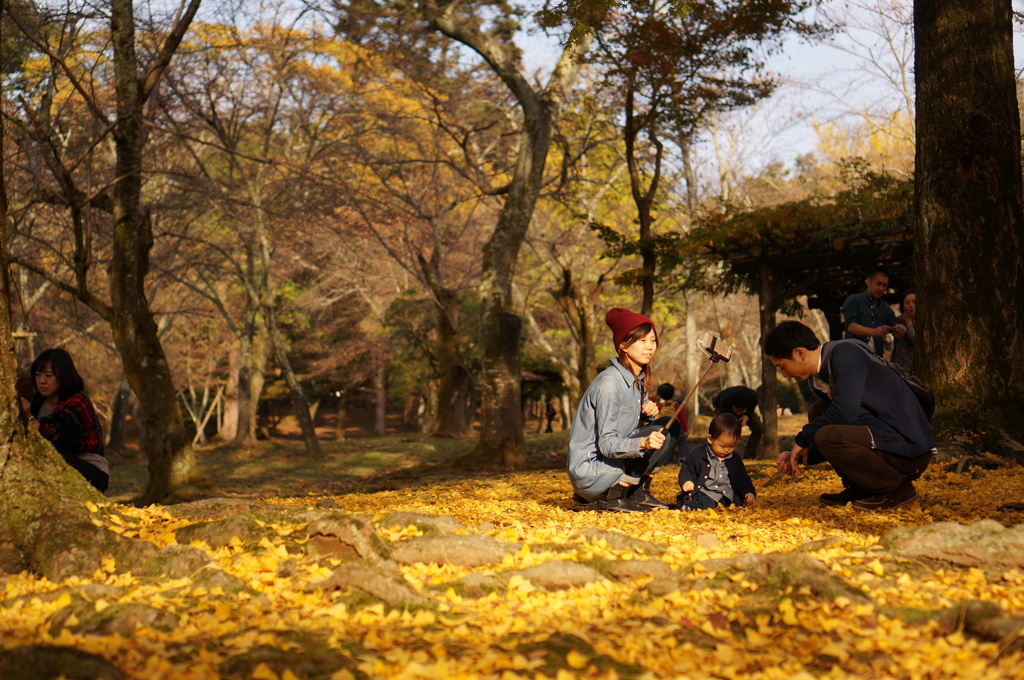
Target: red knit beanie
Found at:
622, 321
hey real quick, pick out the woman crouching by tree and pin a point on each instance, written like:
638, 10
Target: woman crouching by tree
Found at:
612, 458
64, 416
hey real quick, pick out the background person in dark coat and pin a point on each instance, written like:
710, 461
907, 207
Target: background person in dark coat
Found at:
741, 401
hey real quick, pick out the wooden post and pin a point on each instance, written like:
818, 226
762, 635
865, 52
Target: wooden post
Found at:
766, 295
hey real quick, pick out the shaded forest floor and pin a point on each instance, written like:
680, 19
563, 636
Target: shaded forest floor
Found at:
280, 468
489, 575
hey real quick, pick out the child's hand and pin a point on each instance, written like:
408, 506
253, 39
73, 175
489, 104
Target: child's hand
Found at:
688, 487
750, 499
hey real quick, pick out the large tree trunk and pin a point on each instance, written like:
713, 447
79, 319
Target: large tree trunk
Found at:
247, 393
380, 400
643, 198
300, 404
769, 401
501, 412
171, 461
691, 359
117, 428
46, 532
969, 228
258, 377
229, 423
453, 392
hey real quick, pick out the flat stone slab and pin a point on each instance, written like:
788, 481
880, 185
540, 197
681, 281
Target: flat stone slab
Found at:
426, 523
619, 541
559, 575
380, 580
628, 570
467, 551
981, 544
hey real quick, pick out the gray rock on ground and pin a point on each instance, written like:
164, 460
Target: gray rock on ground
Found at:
381, 580
981, 544
559, 575
426, 523
618, 541
344, 537
471, 551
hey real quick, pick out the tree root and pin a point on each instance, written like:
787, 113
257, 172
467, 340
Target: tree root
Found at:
987, 621
32, 662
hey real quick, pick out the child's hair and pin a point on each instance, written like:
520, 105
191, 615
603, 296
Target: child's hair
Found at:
666, 391
724, 423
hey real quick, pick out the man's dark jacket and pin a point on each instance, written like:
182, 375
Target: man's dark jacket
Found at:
865, 392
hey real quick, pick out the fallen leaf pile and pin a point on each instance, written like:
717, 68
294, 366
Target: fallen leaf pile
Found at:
525, 585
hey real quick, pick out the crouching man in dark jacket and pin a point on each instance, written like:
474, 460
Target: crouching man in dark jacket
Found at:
868, 423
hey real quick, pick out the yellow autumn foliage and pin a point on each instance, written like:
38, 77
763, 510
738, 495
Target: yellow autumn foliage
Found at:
724, 624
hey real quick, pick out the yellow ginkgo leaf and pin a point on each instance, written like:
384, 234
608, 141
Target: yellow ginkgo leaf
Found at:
576, 660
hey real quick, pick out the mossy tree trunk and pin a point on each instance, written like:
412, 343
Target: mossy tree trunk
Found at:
502, 438
768, 302
171, 460
969, 230
134, 329
453, 390
47, 532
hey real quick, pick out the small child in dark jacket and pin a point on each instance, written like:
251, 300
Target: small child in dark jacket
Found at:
711, 474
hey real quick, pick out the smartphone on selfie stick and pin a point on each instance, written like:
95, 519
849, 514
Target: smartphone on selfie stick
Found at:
716, 351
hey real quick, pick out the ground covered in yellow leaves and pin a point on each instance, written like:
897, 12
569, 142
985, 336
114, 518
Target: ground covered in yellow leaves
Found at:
786, 589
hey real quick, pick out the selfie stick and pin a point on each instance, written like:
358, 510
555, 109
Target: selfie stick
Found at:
714, 357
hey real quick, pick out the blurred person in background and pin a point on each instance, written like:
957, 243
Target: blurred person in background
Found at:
63, 414
903, 347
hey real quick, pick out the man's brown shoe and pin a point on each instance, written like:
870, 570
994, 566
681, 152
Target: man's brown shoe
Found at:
847, 495
901, 495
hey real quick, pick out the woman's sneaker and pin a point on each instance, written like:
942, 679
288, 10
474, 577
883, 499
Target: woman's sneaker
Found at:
642, 496
616, 499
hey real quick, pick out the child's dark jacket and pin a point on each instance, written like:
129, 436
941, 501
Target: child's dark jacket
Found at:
695, 468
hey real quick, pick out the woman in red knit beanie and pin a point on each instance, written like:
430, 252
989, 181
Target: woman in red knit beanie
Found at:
612, 458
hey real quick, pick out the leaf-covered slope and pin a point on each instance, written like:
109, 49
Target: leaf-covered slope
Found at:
501, 578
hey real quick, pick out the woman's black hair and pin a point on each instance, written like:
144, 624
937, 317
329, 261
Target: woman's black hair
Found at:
903, 296
63, 368
725, 423
646, 377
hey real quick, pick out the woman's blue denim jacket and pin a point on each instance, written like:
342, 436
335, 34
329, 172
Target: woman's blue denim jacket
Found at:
603, 432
